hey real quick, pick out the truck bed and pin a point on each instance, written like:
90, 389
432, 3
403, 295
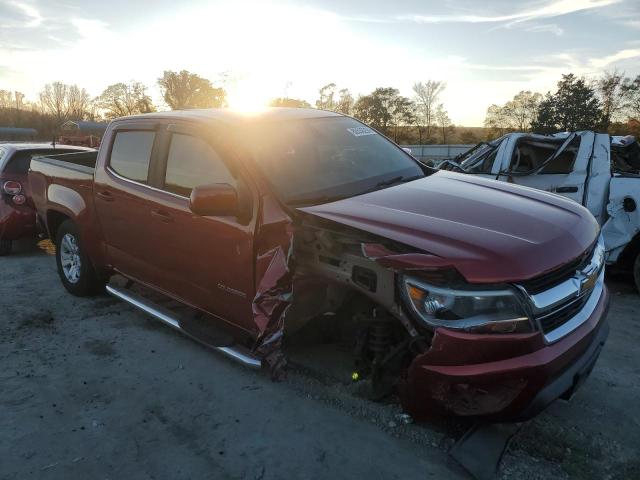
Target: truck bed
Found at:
62, 183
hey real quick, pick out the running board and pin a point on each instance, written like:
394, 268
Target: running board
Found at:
165, 316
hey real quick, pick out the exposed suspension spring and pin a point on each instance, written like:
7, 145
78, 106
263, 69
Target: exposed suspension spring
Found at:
380, 335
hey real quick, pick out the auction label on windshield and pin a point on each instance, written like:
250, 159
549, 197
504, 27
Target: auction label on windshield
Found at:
361, 131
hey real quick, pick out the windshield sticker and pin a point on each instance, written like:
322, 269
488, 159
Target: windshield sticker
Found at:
361, 131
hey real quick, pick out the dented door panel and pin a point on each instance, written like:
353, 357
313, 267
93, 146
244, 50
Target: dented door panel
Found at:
623, 222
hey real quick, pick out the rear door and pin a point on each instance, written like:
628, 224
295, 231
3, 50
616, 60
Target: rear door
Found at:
123, 198
206, 262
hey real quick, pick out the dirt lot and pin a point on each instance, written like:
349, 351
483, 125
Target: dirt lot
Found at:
91, 388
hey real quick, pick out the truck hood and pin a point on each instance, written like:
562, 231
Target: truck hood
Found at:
490, 231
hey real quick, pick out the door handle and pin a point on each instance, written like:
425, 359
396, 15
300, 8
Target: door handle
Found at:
566, 189
106, 196
162, 215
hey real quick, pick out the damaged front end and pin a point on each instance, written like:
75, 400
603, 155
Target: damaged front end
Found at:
416, 326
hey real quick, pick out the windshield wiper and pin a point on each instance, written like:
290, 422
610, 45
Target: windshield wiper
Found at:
390, 182
320, 199
316, 200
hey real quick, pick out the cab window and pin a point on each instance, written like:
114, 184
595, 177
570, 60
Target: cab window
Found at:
530, 155
192, 162
131, 154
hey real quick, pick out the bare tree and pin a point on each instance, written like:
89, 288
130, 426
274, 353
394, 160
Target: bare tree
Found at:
79, 103
345, 102
610, 89
631, 93
9, 99
327, 97
53, 99
122, 99
426, 98
19, 100
65, 102
517, 114
443, 121
496, 119
522, 110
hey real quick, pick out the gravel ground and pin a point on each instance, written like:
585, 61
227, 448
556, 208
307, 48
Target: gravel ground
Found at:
91, 388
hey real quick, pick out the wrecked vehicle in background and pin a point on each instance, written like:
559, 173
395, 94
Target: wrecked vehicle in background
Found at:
600, 172
467, 296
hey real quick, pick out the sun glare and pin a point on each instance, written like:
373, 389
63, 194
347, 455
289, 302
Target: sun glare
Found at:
247, 99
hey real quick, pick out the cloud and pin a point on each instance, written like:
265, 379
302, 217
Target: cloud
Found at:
31, 12
89, 28
549, 10
546, 28
619, 56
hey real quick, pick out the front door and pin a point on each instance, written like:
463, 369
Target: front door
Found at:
565, 175
206, 262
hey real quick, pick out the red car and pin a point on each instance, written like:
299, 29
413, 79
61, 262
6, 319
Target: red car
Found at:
465, 295
17, 215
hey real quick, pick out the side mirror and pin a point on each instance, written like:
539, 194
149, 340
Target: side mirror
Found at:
215, 200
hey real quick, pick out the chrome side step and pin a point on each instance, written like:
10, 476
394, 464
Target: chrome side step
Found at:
165, 316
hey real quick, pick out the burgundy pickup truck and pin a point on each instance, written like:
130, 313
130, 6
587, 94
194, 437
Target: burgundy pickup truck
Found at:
464, 295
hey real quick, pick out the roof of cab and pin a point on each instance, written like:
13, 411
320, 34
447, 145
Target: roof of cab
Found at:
229, 115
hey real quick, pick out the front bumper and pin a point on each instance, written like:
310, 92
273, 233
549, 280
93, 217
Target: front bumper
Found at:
16, 221
502, 377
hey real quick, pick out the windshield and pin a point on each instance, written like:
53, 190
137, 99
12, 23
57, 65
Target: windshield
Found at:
322, 159
480, 158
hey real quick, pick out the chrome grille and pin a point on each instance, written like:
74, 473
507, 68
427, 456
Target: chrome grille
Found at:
555, 277
555, 319
564, 305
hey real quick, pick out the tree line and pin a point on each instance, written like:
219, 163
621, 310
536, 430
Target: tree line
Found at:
609, 103
401, 118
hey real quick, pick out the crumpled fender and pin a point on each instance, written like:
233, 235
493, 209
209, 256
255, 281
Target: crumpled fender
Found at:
274, 284
403, 261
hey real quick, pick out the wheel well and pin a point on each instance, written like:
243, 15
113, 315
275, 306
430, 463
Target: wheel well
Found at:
54, 220
628, 255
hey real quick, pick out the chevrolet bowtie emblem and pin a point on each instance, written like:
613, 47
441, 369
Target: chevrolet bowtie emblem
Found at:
586, 280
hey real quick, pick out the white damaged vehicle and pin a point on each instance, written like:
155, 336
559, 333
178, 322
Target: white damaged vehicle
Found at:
596, 170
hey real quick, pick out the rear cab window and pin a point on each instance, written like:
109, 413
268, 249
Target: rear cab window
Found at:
192, 162
131, 154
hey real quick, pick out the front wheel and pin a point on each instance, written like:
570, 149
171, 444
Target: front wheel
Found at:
74, 268
5, 247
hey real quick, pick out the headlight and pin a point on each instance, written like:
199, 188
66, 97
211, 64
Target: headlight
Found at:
482, 310
599, 253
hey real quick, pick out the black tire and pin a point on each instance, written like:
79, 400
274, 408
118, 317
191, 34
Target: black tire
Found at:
5, 247
636, 271
82, 280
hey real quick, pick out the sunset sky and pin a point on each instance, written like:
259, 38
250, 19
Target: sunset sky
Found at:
486, 54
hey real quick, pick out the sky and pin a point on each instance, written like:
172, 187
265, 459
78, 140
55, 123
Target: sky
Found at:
486, 51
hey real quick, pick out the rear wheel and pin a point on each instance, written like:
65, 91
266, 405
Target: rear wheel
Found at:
5, 247
636, 271
74, 268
